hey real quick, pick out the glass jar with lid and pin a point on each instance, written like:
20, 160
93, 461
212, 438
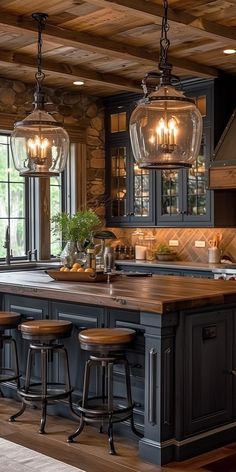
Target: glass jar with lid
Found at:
150, 243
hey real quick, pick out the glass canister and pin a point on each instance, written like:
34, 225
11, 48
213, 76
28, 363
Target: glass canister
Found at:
137, 238
150, 243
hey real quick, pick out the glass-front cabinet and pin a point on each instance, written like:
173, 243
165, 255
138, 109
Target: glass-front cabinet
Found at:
183, 195
130, 198
136, 197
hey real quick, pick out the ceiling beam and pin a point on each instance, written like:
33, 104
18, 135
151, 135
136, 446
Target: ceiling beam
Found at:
152, 10
69, 71
99, 44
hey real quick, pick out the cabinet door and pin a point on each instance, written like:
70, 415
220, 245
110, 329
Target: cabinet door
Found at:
136, 357
196, 195
117, 208
129, 190
28, 308
182, 196
81, 316
207, 379
170, 205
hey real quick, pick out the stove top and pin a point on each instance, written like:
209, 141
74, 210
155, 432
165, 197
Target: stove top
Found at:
226, 268
226, 272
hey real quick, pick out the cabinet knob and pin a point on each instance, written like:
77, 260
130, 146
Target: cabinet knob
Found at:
233, 372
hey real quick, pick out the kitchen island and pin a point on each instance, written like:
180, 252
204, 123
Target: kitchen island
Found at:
183, 362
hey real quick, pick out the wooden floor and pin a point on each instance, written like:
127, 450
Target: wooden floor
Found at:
90, 452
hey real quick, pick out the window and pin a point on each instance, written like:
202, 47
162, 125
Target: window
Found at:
20, 206
13, 208
56, 206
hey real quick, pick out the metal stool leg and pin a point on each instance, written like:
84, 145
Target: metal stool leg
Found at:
67, 380
129, 397
27, 384
16, 362
110, 408
104, 369
44, 382
84, 399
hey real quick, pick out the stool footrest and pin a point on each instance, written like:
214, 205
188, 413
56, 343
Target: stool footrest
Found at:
97, 407
54, 392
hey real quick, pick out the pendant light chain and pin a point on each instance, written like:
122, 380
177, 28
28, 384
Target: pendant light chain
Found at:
164, 41
39, 75
165, 127
164, 66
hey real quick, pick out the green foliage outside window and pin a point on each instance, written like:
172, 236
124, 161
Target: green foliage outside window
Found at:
12, 202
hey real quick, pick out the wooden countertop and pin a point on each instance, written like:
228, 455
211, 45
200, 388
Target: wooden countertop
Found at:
156, 294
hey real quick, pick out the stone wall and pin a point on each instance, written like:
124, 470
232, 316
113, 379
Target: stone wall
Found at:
73, 108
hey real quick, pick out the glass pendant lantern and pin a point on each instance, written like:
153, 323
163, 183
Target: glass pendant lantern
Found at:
39, 143
165, 127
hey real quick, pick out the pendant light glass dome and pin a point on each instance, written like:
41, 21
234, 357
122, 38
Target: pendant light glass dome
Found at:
166, 126
39, 143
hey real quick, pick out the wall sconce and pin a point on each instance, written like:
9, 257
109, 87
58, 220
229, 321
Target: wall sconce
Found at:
166, 126
39, 143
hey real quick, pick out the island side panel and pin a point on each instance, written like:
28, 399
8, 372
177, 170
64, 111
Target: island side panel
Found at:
205, 349
157, 444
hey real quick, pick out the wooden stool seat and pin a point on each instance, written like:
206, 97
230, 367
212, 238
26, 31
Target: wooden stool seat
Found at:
9, 319
48, 329
105, 338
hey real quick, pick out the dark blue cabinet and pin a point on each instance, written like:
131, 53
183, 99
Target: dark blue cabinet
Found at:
150, 269
205, 377
130, 191
137, 197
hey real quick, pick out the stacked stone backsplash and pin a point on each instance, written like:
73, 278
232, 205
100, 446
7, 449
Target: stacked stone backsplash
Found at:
186, 251
73, 108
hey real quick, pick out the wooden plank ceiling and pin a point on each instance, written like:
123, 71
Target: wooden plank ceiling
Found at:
111, 44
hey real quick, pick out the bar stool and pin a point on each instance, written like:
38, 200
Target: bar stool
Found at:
43, 335
9, 320
106, 346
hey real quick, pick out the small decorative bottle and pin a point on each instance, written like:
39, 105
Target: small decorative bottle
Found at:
91, 259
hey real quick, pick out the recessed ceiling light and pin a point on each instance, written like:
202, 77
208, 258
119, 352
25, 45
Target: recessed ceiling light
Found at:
78, 82
229, 51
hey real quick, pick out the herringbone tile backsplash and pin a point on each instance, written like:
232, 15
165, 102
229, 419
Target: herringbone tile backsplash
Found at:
186, 236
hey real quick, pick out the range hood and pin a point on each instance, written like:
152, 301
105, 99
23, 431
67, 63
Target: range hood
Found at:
222, 169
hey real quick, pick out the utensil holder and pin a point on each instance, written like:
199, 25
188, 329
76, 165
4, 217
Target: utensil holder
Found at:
213, 255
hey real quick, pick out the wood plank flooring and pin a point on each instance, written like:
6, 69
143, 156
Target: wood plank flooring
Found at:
90, 451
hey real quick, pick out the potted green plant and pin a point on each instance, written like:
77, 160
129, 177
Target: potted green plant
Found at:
164, 253
76, 232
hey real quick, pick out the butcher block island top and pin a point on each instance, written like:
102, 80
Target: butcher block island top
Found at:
156, 294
